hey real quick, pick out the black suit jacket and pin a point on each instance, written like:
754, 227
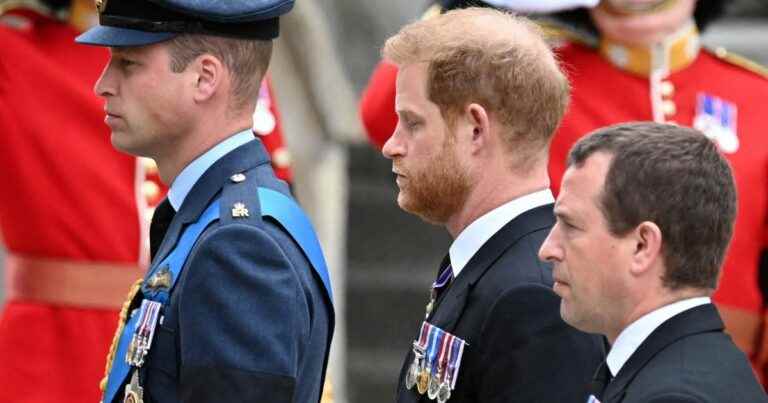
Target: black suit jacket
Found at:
685, 360
503, 305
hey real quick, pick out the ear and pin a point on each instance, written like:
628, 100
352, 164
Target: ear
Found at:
209, 77
479, 125
647, 238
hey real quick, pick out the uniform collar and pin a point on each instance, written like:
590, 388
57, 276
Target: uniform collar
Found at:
475, 235
635, 334
674, 53
191, 173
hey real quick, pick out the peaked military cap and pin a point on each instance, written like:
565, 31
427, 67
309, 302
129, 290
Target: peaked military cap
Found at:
144, 22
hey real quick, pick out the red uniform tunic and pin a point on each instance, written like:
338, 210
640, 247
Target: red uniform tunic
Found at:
68, 199
604, 94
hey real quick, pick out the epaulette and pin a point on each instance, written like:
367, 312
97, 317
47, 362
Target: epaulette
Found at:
558, 33
239, 200
741, 61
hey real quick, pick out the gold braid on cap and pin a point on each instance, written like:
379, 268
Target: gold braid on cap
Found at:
120, 326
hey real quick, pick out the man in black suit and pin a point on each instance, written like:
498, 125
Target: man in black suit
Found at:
479, 95
644, 218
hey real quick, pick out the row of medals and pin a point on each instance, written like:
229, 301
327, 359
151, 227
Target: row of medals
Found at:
421, 374
139, 348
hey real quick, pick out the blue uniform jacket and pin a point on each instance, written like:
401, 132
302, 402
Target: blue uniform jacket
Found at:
248, 319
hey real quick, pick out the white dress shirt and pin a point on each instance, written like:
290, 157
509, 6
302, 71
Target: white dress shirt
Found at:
633, 335
476, 234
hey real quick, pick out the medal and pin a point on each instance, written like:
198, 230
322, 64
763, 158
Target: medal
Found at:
434, 385
442, 280
426, 370
455, 362
143, 334
435, 367
410, 377
440, 356
134, 393
141, 341
421, 381
419, 346
717, 119
444, 393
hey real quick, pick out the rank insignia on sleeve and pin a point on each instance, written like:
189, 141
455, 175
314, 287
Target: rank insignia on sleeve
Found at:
435, 367
717, 119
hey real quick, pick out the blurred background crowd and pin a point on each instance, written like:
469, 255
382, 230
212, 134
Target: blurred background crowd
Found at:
382, 259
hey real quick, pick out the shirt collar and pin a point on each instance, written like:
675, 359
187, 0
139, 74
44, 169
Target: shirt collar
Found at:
191, 173
472, 238
635, 334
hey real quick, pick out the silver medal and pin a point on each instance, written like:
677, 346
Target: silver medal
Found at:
413, 372
444, 392
433, 387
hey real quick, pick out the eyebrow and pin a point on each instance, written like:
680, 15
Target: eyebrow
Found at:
408, 114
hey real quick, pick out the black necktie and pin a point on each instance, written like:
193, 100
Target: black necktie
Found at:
161, 220
600, 380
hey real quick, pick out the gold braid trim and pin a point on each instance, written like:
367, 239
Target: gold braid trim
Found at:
120, 326
741, 61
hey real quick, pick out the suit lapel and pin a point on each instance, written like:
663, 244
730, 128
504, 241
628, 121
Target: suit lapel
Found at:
701, 319
241, 159
453, 301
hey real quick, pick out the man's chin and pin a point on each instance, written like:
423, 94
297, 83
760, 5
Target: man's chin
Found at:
125, 147
413, 208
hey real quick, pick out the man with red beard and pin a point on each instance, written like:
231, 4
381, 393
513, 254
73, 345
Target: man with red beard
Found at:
472, 158
646, 62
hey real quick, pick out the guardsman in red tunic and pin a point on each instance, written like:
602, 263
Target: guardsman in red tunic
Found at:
73, 211
646, 62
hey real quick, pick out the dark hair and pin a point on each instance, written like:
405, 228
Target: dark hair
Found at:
675, 177
246, 59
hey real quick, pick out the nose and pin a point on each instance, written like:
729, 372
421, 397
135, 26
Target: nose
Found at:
105, 86
550, 250
394, 147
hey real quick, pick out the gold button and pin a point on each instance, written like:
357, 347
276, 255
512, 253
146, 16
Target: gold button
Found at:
281, 157
667, 89
150, 167
150, 189
237, 178
669, 108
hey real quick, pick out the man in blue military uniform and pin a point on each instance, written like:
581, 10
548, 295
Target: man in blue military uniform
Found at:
236, 305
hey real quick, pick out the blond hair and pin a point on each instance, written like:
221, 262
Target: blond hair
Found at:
492, 58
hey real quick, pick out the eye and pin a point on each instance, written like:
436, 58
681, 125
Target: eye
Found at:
125, 63
567, 225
